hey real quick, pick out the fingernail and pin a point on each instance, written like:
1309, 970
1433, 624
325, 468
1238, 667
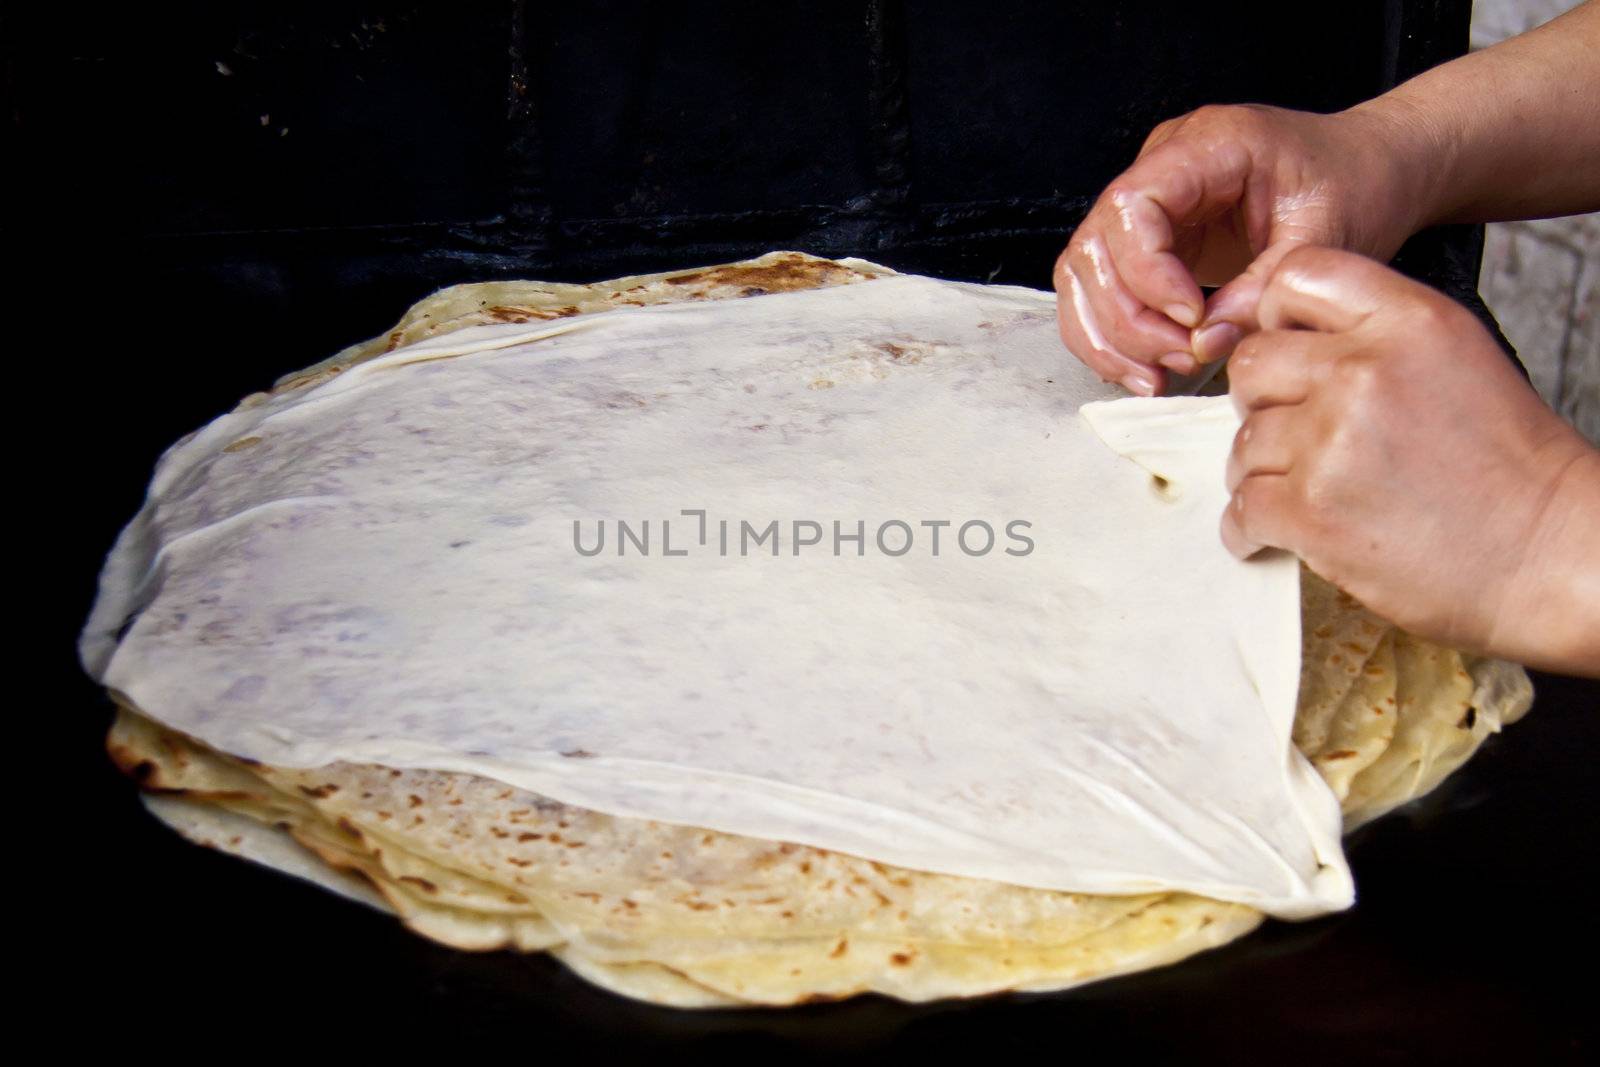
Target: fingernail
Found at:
1183, 315
1182, 362
1141, 382
1216, 341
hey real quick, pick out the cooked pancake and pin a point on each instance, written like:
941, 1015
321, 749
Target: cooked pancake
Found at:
694, 918
697, 918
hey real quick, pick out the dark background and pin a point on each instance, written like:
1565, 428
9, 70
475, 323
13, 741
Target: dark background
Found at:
204, 196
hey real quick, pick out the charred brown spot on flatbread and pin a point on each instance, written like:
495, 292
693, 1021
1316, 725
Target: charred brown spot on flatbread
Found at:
786, 274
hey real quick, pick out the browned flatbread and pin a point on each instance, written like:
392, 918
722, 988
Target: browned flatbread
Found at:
688, 917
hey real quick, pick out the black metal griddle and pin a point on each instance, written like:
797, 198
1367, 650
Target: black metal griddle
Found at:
288, 181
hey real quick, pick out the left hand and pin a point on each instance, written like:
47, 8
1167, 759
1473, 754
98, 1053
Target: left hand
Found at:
1389, 442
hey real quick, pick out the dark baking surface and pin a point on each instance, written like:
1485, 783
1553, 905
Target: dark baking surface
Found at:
185, 253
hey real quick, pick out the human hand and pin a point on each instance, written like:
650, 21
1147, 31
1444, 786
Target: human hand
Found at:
1218, 197
1390, 444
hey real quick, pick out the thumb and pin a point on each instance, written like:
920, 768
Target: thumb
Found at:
1231, 311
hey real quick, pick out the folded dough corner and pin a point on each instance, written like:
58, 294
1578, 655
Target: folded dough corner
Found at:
843, 567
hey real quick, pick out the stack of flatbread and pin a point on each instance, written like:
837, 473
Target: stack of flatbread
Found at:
664, 908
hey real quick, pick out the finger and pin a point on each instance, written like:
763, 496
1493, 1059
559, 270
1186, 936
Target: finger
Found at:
1140, 237
1127, 324
1258, 516
1328, 289
1172, 184
1082, 336
1267, 443
1272, 367
1232, 311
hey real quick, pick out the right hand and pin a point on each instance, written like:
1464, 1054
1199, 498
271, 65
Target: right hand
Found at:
1217, 197
1389, 443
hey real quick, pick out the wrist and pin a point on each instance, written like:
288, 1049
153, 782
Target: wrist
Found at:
1551, 615
1406, 161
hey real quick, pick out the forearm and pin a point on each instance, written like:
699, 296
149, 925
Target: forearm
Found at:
1509, 132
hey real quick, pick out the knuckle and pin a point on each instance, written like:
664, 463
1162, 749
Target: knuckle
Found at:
1061, 262
1359, 376
1339, 446
1251, 514
1244, 379
1073, 246
1247, 433
1240, 513
1429, 312
1307, 258
1212, 114
1251, 346
1246, 362
1316, 506
1239, 458
1161, 132
1248, 503
1257, 363
1300, 255
1235, 120
1120, 194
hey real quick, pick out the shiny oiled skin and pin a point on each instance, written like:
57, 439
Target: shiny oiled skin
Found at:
1217, 197
1386, 441
1450, 500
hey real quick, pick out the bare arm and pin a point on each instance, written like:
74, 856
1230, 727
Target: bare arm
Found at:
1511, 132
